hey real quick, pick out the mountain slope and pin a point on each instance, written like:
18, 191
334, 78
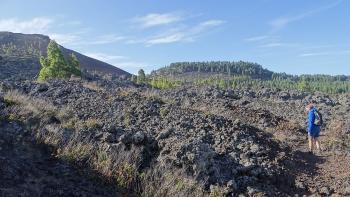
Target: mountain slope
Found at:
29, 47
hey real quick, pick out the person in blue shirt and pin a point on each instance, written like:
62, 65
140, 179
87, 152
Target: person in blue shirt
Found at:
312, 128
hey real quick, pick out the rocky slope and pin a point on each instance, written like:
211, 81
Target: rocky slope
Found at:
16, 48
185, 142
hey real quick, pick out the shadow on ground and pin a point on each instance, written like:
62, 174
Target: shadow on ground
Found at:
302, 166
30, 169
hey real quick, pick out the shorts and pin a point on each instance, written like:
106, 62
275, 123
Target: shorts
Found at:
315, 132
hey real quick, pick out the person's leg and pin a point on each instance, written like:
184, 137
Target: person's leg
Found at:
317, 143
310, 143
313, 143
317, 134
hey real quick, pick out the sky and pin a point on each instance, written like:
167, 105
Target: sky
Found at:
292, 36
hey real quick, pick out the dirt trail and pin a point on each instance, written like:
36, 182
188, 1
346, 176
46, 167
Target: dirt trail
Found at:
323, 173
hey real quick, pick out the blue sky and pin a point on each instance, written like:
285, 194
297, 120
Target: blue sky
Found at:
292, 36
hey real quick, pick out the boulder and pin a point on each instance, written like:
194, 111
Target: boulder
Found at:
284, 95
138, 138
41, 87
125, 138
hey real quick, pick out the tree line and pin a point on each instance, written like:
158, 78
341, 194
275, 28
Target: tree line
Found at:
241, 74
253, 70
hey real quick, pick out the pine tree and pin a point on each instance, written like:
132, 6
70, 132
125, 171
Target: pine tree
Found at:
73, 64
141, 78
55, 66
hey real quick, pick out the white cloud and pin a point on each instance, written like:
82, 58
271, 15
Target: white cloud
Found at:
105, 57
210, 23
156, 19
256, 38
77, 39
119, 61
166, 39
131, 65
38, 25
45, 25
106, 39
311, 54
313, 47
282, 22
184, 34
278, 44
65, 38
203, 26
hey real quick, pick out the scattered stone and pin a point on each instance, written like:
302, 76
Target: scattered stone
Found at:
125, 138
300, 185
139, 138
325, 191
284, 95
220, 143
42, 87
164, 134
109, 137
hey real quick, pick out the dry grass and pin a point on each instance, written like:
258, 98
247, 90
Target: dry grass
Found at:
93, 123
76, 152
103, 163
126, 175
36, 106
160, 182
152, 94
25, 108
124, 93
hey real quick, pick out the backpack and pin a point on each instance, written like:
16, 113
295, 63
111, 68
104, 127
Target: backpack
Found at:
318, 118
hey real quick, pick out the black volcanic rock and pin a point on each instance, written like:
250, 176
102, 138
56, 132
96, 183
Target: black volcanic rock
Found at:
240, 141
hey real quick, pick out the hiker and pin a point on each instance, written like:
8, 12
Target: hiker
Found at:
313, 127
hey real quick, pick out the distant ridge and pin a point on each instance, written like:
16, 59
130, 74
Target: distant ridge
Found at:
31, 46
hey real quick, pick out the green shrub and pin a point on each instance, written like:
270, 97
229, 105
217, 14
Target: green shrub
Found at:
54, 66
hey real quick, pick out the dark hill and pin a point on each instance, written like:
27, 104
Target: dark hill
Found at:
228, 68
29, 47
240, 74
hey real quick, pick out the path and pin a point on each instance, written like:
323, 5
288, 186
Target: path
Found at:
321, 174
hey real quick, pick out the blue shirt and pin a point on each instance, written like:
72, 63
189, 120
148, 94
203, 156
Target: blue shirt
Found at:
311, 119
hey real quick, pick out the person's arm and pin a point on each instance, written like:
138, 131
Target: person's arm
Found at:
311, 120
